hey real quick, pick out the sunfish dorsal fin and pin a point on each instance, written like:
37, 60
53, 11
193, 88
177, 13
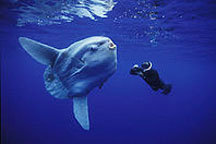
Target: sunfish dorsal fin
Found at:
42, 53
80, 108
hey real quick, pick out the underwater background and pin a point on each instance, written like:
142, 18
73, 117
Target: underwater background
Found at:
178, 36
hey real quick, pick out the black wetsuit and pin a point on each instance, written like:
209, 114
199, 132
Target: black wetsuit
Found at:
152, 78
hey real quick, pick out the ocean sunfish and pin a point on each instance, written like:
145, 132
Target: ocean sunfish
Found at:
74, 71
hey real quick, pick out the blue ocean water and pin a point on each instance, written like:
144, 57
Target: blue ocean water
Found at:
178, 36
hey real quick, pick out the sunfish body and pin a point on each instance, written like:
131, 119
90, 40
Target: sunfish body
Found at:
74, 71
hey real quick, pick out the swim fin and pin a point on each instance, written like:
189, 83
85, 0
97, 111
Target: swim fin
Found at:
167, 89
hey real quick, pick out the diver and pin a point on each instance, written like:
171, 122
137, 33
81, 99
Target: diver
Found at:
151, 77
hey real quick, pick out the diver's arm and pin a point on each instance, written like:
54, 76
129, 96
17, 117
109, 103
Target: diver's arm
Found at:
132, 72
143, 75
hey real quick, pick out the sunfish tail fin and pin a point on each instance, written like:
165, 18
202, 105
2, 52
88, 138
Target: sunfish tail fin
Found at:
54, 85
40, 52
80, 109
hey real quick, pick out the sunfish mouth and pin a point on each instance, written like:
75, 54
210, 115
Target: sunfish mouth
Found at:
111, 45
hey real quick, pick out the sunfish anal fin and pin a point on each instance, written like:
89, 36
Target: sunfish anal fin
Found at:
80, 109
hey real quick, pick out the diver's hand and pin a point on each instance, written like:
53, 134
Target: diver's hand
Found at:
136, 70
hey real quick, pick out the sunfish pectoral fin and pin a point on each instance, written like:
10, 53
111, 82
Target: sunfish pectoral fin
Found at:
80, 108
101, 85
42, 53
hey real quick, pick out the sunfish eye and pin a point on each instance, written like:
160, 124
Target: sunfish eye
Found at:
101, 43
